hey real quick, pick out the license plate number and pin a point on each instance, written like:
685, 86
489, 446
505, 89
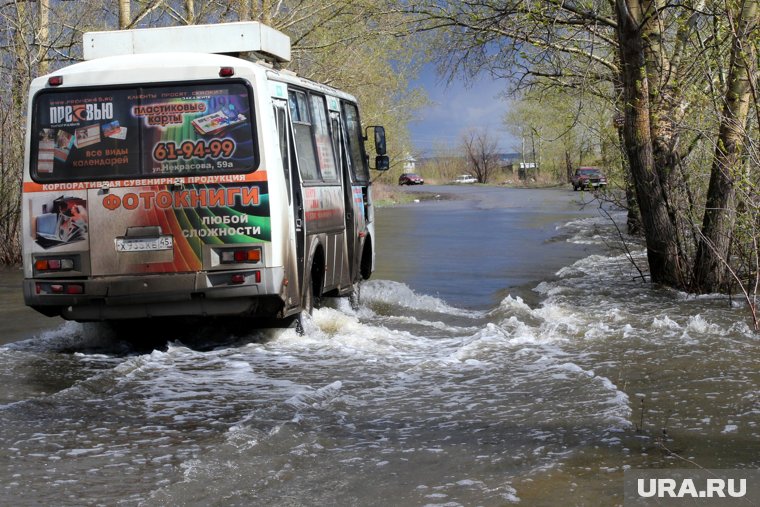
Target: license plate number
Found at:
144, 244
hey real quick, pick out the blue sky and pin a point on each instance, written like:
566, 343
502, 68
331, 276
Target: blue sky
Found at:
456, 108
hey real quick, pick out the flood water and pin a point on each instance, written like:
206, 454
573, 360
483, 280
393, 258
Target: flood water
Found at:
505, 351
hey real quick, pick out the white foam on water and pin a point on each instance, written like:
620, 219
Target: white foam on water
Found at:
397, 294
68, 335
510, 495
697, 324
665, 323
436, 325
316, 398
425, 378
328, 331
594, 230
404, 386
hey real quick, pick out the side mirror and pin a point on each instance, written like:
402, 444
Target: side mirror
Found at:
379, 131
380, 140
382, 163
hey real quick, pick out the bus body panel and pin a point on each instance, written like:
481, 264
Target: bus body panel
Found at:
158, 244
126, 224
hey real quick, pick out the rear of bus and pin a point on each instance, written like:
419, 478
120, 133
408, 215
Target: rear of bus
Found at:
146, 190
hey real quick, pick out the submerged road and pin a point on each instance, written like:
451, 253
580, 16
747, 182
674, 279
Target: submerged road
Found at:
504, 352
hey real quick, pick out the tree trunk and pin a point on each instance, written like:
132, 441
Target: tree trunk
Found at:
125, 16
710, 264
665, 265
633, 222
190, 12
13, 133
44, 36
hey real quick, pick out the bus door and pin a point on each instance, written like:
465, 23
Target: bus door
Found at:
295, 196
352, 212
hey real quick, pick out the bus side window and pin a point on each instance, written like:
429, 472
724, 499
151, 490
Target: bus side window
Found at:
281, 117
337, 139
355, 142
322, 136
299, 113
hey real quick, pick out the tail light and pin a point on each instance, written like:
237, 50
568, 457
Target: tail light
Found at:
54, 264
241, 278
74, 288
240, 256
59, 288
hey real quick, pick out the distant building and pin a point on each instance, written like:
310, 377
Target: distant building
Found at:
507, 159
410, 164
527, 170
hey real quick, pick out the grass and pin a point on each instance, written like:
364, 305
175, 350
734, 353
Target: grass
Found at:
385, 194
388, 194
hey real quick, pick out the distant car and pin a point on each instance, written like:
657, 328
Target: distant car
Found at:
588, 177
465, 178
410, 179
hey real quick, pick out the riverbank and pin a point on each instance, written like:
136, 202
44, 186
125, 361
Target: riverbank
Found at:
386, 194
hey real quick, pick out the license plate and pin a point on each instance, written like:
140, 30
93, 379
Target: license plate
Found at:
144, 244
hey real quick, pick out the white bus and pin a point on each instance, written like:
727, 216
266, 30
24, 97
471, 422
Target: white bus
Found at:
172, 174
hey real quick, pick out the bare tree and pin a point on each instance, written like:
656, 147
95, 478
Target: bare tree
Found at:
480, 148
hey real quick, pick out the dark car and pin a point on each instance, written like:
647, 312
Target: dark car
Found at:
410, 179
588, 177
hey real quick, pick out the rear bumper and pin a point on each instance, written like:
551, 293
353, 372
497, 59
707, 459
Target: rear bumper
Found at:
181, 294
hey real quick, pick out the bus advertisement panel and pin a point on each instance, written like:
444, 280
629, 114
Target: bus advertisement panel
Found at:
114, 133
146, 176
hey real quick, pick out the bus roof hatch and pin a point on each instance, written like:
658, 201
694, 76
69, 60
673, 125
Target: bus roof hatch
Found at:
227, 38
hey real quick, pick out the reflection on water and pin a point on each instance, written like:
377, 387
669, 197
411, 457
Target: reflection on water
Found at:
18, 321
419, 397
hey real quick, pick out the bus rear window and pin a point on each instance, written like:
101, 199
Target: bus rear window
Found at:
138, 132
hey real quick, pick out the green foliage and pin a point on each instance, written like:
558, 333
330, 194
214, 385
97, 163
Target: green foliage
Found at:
565, 126
355, 45
576, 66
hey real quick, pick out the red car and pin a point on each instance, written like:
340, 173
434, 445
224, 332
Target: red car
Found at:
588, 177
410, 179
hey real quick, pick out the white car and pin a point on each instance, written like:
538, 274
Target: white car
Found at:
465, 178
